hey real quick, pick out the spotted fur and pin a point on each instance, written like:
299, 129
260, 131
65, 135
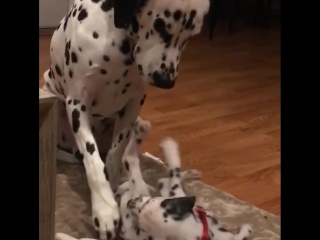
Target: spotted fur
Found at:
101, 54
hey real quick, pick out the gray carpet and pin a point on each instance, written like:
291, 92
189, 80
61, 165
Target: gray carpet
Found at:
73, 208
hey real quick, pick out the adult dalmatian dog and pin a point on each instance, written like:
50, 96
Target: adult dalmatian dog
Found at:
173, 215
102, 54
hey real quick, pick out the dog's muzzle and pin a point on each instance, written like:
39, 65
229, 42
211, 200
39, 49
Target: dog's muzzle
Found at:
163, 81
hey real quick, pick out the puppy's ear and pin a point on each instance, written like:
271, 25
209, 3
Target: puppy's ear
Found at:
179, 206
124, 11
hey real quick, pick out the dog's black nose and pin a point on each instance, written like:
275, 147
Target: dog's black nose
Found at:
163, 80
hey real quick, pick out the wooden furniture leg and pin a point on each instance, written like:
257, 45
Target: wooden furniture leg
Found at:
47, 164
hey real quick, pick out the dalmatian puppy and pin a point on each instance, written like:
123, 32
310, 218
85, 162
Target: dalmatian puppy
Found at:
173, 216
101, 54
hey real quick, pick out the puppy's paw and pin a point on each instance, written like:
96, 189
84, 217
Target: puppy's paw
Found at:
141, 130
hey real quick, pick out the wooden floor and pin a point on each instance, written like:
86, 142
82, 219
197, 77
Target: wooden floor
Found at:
224, 111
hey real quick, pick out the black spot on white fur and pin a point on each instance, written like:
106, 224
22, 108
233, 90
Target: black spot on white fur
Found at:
67, 53
74, 13
106, 58
95, 35
76, 102
83, 14
106, 6
126, 164
160, 27
75, 115
190, 20
125, 73
222, 229
79, 156
58, 70
96, 222
74, 57
90, 147
120, 137
171, 173
174, 187
177, 15
121, 112
125, 46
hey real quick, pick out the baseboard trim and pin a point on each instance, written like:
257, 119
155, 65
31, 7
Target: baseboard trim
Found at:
46, 31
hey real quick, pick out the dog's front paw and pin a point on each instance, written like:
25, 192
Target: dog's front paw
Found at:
105, 217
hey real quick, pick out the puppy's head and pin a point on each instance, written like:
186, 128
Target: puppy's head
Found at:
161, 29
161, 217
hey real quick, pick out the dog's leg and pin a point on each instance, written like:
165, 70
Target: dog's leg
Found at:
104, 207
135, 184
188, 175
131, 161
123, 127
171, 153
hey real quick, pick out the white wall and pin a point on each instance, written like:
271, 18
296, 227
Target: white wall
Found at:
51, 12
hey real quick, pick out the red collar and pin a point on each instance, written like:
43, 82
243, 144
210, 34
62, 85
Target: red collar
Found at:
203, 218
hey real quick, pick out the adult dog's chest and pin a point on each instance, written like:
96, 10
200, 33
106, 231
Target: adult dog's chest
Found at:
114, 93
99, 56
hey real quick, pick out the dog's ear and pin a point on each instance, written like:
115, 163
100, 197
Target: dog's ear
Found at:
124, 11
179, 206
